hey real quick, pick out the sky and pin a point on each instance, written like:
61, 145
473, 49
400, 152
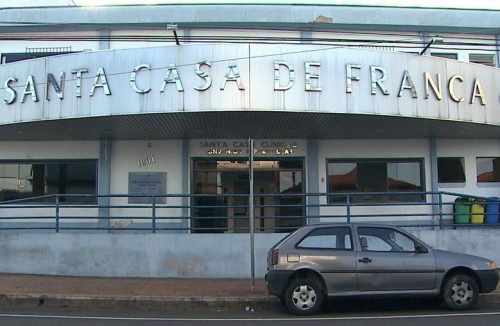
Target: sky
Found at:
479, 4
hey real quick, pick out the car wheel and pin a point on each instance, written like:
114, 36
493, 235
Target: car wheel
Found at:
460, 292
304, 296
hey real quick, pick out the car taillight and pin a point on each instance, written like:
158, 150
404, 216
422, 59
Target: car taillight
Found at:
274, 257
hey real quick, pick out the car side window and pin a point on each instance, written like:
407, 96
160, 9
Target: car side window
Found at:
333, 238
374, 243
385, 239
403, 242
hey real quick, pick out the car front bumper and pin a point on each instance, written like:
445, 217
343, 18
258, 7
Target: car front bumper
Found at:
488, 280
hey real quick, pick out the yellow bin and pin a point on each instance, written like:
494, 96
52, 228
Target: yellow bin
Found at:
477, 213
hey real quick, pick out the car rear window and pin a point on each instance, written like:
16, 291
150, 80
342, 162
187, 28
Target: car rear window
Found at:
333, 238
285, 238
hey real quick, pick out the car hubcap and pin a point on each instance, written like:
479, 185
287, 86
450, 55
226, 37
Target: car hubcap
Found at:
304, 297
461, 293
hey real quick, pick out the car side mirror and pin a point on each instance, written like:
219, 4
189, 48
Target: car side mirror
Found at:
420, 249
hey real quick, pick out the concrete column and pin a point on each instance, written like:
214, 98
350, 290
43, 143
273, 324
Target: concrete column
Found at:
185, 182
305, 37
104, 43
434, 175
187, 36
104, 181
312, 177
497, 37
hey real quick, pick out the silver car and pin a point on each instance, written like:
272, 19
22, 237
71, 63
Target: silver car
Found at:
320, 261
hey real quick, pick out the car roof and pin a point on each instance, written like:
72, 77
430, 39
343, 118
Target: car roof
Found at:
366, 224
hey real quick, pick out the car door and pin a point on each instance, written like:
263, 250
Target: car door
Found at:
390, 260
330, 250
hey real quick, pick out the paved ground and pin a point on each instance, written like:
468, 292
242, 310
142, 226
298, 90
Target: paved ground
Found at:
18, 289
151, 293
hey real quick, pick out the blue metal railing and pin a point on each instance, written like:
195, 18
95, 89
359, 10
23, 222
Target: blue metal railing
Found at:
219, 213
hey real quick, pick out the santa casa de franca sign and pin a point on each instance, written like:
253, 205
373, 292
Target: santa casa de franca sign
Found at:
304, 79
238, 147
436, 86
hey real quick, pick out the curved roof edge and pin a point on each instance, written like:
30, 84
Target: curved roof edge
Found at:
319, 17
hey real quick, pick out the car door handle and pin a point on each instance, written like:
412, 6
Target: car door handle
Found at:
365, 260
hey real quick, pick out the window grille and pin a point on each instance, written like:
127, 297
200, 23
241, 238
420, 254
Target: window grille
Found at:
62, 49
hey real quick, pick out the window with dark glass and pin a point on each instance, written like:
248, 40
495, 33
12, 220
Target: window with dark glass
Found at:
394, 177
31, 179
453, 56
488, 169
451, 170
483, 58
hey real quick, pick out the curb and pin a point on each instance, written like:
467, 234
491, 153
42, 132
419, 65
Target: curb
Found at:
163, 303
490, 298
261, 303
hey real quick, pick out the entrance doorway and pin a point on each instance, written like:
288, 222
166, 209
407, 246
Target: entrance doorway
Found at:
221, 189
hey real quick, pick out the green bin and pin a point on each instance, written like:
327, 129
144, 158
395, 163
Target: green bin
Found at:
461, 210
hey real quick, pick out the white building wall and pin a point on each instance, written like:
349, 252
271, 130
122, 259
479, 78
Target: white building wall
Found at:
89, 42
463, 45
125, 157
125, 39
460, 44
44, 150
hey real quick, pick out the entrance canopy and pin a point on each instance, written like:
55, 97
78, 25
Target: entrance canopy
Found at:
241, 90
239, 125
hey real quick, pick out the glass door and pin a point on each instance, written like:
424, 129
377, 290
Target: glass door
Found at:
221, 193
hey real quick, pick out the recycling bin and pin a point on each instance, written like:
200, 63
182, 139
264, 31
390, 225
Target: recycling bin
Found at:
493, 210
477, 212
461, 210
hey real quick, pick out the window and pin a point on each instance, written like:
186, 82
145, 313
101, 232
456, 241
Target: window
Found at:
445, 55
29, 179
385, 239
338, 238
488, 169
483, 58
451, 170
396, 177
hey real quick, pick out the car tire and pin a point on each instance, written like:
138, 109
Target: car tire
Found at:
460, 292
304, 296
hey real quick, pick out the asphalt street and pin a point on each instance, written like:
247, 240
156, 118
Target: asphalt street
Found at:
371, 313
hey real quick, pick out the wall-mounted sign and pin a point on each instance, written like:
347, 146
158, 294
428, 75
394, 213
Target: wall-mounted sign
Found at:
145, 184
248, 77
262, 148
148, 160
377, 76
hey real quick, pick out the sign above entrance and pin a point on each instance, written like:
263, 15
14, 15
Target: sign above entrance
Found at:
241, 148
248, 77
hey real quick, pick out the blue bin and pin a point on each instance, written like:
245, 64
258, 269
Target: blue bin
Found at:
492, 211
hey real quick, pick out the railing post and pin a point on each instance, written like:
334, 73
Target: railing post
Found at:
348, 202
441, 222
153, 217
57, 213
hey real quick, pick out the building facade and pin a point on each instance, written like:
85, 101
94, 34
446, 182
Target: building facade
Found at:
109, 106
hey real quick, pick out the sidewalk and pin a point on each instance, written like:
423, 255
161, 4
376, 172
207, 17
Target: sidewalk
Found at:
143, 293
135, 293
